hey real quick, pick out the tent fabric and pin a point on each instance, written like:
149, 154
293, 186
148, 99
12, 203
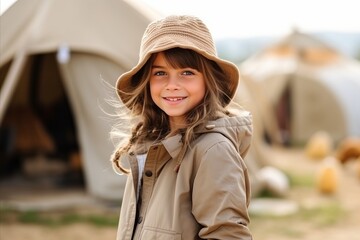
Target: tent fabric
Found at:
112, 30
103, 40
90, 109
310, 100
348, 94
323, 86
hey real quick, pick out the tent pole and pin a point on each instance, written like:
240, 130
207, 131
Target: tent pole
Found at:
11, 81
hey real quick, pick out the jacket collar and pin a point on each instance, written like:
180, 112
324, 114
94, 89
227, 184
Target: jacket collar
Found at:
173, 145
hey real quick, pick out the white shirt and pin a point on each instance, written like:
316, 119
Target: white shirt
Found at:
141, 163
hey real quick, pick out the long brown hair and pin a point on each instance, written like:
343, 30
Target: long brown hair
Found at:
152, 124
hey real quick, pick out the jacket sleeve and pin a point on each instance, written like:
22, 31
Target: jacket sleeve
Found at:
221, 194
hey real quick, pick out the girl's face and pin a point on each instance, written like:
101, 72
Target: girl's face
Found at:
175, 91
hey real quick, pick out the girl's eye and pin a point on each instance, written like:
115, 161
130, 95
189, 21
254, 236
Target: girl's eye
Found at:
188, 73
159, 73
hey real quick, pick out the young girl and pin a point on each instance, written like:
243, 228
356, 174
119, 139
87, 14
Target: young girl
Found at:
186, 175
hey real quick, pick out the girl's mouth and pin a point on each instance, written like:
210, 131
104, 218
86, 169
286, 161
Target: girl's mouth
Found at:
174, 99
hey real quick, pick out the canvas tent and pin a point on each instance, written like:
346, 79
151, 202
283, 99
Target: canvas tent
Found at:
312, 87
70, 48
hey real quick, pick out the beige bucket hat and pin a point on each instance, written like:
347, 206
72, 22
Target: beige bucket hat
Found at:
175, 31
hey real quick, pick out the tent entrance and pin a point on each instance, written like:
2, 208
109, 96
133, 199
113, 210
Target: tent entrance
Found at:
283, 113
38, 132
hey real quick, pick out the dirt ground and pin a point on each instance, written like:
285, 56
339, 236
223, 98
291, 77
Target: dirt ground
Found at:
331, 217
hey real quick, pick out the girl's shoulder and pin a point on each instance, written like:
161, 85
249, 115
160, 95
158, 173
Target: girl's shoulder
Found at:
207, 140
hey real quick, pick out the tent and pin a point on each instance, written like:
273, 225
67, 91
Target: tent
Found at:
311, 87
56, 51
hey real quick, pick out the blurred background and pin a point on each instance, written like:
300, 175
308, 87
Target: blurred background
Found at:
300, 78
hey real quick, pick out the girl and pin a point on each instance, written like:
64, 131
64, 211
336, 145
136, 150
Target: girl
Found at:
186, 177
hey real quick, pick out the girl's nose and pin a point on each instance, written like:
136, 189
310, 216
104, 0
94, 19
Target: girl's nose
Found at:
173, 82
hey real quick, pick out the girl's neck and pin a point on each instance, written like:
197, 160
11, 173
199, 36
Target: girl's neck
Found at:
177, 123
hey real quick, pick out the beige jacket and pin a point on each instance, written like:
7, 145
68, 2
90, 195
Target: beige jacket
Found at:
206, 199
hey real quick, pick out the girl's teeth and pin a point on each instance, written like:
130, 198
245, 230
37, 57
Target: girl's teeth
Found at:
174, 99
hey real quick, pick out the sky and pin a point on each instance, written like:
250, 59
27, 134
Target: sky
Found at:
249, 18
246, 18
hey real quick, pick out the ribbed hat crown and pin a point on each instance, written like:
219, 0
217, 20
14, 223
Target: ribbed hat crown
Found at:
191, 32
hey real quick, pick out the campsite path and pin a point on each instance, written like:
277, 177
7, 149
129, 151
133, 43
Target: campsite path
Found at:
332, 217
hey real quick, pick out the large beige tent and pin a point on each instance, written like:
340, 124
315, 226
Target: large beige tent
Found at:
70, 48
312, 87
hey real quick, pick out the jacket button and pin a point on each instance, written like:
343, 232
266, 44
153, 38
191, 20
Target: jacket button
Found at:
210, 126
148, 173
139, 220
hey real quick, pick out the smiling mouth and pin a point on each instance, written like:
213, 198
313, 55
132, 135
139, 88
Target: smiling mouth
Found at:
174, 99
